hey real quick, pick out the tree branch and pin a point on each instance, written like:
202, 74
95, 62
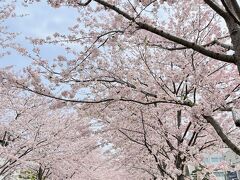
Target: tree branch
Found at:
123, 99
216, 7
236, 8
221, 134
154, 30
84, 4
114, 80
230, 12
131, 139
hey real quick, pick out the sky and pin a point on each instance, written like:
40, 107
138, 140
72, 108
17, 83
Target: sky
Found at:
40, 21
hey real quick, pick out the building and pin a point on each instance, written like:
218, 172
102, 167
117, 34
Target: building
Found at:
215, 159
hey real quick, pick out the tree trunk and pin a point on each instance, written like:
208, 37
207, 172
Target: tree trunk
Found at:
234, 31
40, 174
181, 177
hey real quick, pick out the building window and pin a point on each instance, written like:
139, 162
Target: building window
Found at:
216, 159
219, 174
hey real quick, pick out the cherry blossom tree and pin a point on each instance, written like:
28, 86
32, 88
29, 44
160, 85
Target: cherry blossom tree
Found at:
160, 77
39, 137
6, 38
